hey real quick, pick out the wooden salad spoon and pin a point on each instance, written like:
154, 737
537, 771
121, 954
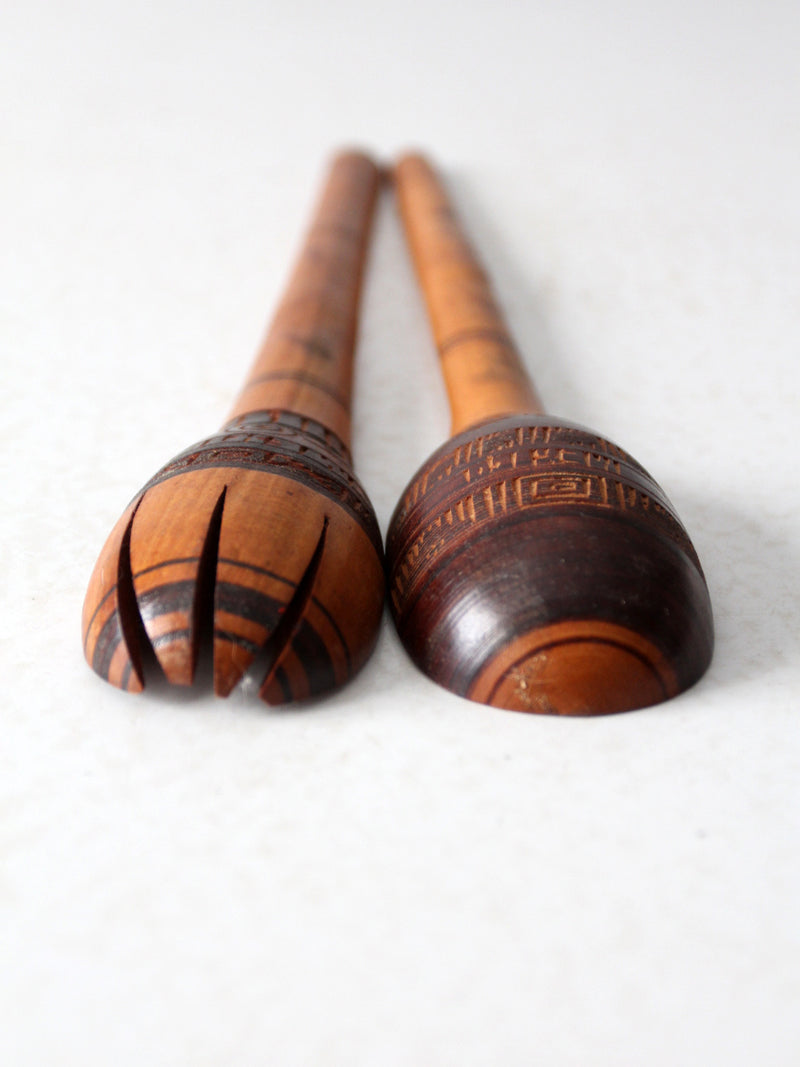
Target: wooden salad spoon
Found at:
532, 564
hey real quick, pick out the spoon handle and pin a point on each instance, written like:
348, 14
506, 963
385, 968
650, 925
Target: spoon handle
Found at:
305, 363
482, 368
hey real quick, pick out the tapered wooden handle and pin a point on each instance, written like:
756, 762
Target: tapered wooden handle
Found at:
305, 363
483, 371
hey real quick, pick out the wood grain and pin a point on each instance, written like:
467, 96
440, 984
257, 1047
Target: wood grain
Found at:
533, 564
257, 548
482, 368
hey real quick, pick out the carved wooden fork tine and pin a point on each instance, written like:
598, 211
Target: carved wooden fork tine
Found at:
258, 545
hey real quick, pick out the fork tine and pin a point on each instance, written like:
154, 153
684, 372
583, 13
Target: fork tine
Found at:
104, 642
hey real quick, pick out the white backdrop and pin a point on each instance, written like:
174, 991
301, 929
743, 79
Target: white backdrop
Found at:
395, 876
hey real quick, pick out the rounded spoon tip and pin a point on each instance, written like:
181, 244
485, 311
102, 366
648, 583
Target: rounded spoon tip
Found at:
534, 565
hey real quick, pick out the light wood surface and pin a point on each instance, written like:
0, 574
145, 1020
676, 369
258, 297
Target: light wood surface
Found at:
256, 550
483, 371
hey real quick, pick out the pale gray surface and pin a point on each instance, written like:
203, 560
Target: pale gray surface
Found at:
396, 876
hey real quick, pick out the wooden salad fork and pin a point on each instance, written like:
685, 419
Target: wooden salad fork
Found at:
257, 549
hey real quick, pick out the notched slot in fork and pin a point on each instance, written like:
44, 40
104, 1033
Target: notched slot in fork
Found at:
267, 660
203, 606
140, 649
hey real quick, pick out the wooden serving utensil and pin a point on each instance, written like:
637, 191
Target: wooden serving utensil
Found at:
257, 546
532, 564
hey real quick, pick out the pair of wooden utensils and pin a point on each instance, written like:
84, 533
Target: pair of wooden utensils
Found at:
531, 564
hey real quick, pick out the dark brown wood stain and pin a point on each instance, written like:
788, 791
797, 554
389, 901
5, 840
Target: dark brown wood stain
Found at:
532, 564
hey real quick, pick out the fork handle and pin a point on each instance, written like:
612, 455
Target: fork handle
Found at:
305, 363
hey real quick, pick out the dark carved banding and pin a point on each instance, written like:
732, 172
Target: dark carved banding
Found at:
268, 656
318, 604
477, 333
310, 648
307, 378
285, 444
315, 346
236, 600
233, 598
598, 641
506, 531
